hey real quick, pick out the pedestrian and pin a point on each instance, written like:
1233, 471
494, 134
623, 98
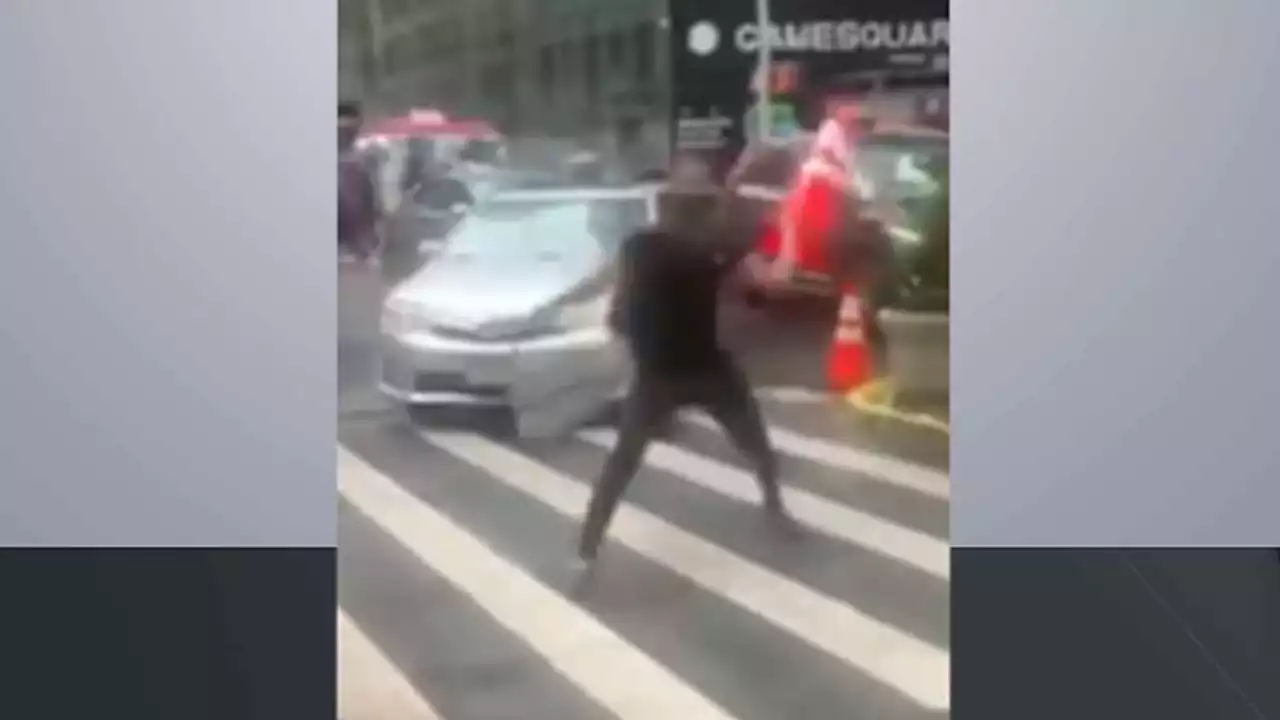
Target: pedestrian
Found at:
814, 205
666, 309
419, 162
433, 207
359, 204
439, 190
827, 220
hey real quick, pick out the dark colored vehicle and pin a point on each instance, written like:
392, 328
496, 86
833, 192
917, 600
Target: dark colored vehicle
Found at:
894, 168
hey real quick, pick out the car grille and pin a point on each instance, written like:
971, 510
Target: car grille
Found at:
518, 333
428, 382
439, 382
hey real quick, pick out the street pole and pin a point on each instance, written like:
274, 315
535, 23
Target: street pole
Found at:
764, 64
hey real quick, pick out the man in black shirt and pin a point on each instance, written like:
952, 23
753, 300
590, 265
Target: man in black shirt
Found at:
667, 308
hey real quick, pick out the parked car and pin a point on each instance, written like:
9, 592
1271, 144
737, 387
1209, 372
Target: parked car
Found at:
891, 169
512, 310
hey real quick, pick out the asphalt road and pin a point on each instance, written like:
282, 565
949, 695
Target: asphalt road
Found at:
457, 599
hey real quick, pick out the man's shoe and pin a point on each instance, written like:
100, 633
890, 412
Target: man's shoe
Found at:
781, 522
581, 571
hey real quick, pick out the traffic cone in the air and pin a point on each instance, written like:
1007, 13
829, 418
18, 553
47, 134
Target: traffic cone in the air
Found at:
849, 364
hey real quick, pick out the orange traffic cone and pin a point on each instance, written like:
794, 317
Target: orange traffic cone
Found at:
849, 364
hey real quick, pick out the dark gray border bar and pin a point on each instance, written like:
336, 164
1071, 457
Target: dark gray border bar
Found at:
164, 633
1074, 633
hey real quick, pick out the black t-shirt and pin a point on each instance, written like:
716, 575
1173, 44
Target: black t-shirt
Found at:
668, 304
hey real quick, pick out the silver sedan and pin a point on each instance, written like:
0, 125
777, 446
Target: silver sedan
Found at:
512, 311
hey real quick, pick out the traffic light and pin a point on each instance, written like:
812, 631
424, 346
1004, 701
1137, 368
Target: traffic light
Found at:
785, 78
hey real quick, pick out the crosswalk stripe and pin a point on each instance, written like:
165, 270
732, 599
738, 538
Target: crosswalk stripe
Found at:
604, 665
887, 538
369, 685
874, 466
796, 395
897, 659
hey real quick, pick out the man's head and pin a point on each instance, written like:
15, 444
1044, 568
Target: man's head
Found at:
689, 202
349, 121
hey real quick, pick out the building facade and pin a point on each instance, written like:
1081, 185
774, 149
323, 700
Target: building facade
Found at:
532, 67
890, 57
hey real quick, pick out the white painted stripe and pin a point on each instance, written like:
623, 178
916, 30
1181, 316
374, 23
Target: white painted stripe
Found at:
898, 659
894, 541
369, 685
604, 665
760, 192
874, 466
792, 394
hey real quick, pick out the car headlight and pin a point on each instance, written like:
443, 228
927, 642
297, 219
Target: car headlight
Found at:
401, 318
586, 314
395, 319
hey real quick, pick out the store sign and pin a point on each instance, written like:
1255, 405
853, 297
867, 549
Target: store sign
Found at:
838, 36
702, 132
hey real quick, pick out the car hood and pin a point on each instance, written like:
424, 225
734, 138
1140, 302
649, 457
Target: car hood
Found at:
466, 292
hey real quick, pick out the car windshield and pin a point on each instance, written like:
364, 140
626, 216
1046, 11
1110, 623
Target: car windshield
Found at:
898, 168
534, 227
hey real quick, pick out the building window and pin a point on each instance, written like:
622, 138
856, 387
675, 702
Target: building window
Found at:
506, 23
393, 10
566, 68
399, 54
547, 69
444, 39
486, 26
645, 37
591, 71
352, 21
493, 80
427, 50
617, 45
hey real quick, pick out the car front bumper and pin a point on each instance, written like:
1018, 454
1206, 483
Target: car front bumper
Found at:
422, 368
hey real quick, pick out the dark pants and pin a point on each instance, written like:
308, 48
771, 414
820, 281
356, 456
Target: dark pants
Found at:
723, 391
362, 242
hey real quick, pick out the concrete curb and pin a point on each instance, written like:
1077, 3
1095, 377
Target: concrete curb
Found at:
875, 399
